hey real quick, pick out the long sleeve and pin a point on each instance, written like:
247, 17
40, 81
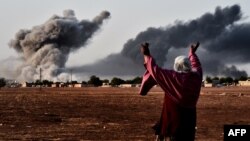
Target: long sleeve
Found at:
150, 78
163, 77
195, 62
183, 88
147, 83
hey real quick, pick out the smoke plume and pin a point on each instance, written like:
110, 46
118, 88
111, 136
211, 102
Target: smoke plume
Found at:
224, 42
47, 46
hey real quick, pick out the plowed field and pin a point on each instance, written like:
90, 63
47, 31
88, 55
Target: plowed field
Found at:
110, 113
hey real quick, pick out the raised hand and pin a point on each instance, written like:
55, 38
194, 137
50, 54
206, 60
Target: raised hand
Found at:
194, 47
145, 49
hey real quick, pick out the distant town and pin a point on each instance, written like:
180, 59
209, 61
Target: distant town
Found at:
95, 81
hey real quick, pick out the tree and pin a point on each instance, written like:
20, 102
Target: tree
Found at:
243, 78
74, 82
2, 82
222, 80
208, 79
95, 81
117, 81
84, 82
128, 82
105, 81
236, 81
229, 80
137, 80
215, 78
38, 82
47, 82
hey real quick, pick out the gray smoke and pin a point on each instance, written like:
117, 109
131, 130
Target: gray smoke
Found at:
48, 45
223, 42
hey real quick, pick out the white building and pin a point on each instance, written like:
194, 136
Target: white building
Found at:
105, 85
26, 84
244, 83
79, 85
125, 85
208, 85
55, 85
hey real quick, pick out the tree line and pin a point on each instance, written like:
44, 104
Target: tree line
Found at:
116, 81
93, 80
2, 82
226, 80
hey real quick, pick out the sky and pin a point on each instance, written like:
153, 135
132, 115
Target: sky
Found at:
128, 18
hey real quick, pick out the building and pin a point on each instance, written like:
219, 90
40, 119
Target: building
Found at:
70, 85
26, 84
10, 83
55, 85
215, 83
208, 85
244, 83
105, 85
137, 85
62, 85
125, 85
78, 85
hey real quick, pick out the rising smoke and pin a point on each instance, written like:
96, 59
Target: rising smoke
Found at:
223, 42
47, 46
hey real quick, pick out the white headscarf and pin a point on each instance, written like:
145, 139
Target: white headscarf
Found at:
182, 64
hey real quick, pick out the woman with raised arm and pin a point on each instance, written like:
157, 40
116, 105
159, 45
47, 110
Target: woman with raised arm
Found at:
182, 89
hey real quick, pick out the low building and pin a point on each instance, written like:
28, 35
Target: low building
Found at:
26, 84
137, 85
208, 85
106, 85
55, 85
70, 85
10, 83
125, 85
79, 85
62, 85
215, 83
244, 83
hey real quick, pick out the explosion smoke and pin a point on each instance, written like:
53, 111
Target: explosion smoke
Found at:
223, 42
203, 29
47, 46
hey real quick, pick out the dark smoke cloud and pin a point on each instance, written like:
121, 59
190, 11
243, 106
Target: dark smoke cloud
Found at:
202, 29
47, 46
223, 42
114, 64
233, 71
233, 44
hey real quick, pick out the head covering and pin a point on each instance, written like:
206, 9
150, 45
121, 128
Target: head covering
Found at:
182, 64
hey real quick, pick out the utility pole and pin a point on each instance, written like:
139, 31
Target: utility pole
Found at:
71, 79
71, 76
40, 79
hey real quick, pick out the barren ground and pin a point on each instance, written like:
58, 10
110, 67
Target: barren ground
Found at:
110, 113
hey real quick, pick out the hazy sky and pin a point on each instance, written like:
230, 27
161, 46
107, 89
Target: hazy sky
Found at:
128, 18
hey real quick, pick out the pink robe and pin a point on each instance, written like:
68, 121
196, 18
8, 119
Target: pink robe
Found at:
182, 91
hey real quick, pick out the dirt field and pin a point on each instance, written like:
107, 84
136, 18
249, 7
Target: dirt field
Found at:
110, 113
